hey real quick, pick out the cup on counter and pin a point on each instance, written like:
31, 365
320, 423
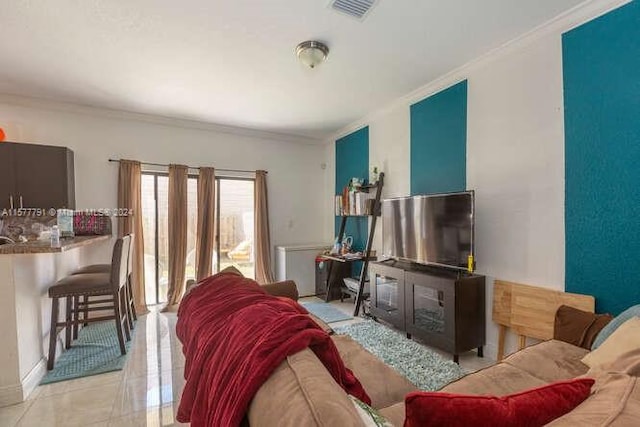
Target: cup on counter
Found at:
64, 219
55, 237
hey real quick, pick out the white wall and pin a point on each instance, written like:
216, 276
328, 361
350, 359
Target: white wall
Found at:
515, 162
389, 150
515, 155
295, 180
295, 176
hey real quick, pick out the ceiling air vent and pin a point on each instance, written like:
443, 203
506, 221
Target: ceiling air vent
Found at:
355, 8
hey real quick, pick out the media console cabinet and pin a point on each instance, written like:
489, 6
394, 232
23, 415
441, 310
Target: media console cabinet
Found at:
444, 308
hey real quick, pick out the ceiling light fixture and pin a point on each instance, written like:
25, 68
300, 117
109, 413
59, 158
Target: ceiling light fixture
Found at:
312, 53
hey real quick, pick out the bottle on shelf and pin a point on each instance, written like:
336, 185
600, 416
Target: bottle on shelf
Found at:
337, 247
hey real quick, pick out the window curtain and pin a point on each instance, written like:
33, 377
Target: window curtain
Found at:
262, 237
130, 197
205, 234
178, 175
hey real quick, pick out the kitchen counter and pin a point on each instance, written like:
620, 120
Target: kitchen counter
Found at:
27, 271
44, 246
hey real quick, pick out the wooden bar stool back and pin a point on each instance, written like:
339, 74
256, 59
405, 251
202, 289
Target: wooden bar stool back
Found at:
111, 285
106, 268
131, 306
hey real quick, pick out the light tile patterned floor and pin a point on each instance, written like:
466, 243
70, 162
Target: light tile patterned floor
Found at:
145, 393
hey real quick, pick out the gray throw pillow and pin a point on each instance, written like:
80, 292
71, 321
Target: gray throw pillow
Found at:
630, 312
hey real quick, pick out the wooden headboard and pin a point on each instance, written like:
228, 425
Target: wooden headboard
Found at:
530, 310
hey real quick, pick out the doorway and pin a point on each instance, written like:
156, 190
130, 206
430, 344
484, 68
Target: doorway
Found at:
234, 243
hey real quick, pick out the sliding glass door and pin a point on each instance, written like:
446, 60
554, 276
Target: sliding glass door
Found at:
234, 229
235, 225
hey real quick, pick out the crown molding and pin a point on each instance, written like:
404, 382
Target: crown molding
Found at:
566, 21
41, 103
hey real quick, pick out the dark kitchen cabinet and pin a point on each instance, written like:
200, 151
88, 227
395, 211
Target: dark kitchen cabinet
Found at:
7, 187
36, 176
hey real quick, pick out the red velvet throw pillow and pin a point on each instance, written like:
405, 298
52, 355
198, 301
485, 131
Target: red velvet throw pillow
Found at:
530, 408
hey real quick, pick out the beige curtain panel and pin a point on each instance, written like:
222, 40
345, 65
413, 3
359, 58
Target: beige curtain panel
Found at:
178, 175
130, 197
262, 236
205, 234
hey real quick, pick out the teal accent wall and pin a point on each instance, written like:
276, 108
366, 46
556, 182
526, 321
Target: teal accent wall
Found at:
601, 71
352, 160
439, 142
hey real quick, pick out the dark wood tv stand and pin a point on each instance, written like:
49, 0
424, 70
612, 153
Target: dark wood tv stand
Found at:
444, 308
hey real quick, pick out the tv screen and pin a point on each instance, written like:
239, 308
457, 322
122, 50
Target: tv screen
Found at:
435, 229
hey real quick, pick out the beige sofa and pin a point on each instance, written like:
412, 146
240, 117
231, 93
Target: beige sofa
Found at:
615, 397
301, 391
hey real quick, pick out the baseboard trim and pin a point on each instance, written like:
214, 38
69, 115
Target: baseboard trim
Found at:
17, 393
33, 378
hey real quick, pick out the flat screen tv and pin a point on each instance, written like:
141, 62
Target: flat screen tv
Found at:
434, 230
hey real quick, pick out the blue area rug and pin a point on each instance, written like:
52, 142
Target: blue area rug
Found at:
96, 351
326, 312
423, 367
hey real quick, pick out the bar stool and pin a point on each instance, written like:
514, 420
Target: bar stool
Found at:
112, 285
106, 268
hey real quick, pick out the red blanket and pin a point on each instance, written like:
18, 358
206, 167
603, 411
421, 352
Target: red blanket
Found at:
234, 336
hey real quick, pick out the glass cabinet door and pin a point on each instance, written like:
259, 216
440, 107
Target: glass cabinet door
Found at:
429, 309
387, 293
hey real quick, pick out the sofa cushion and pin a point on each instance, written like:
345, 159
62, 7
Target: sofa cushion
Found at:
571, 324
625, 338
286, 288
633, 311
301, 392
550, 360
500, 379
602, 320
231, 269
627, 362
384, 385
394, 413
578, 327
535, 407
615, 402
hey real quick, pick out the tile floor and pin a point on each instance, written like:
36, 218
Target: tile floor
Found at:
145, 393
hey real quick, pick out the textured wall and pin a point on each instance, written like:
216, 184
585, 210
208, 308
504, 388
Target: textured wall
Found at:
602, 153
352, 160
439, 142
